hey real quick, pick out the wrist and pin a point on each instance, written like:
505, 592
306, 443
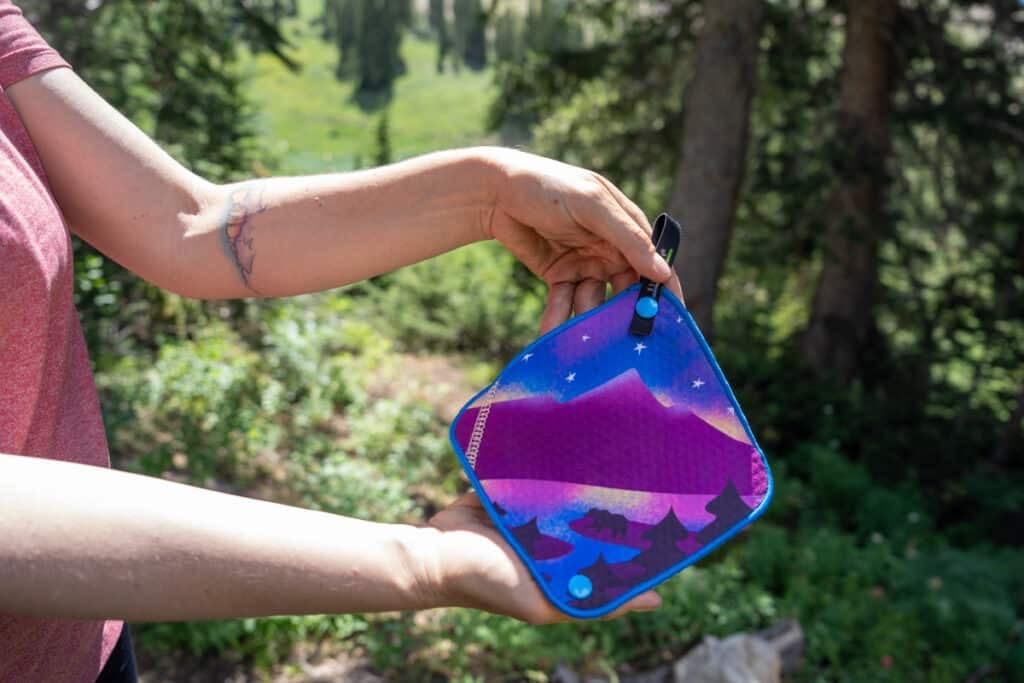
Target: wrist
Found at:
491, 166
424, 582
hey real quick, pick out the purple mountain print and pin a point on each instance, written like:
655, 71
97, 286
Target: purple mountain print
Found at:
617, 460
583, 440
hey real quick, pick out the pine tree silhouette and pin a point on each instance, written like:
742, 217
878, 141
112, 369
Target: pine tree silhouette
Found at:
527, 534
663, 537
600, 575
667, 531
728, 509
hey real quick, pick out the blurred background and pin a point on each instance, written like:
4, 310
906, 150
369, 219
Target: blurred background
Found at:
852, 178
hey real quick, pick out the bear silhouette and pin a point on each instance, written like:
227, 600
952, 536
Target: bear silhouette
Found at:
603, 520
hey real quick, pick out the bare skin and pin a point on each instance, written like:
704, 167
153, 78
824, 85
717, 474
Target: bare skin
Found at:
88, 542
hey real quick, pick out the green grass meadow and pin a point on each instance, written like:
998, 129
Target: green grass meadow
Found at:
311, 122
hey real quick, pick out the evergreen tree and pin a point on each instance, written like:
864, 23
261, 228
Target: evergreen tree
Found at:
342, 20
438, 15
549, 29
471, 31
382, 154
508, 37
379, 43
368, 34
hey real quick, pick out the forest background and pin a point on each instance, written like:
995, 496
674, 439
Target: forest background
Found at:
851, 179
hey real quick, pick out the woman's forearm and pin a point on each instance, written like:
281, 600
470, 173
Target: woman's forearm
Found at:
283, 236
87, 542
270, 237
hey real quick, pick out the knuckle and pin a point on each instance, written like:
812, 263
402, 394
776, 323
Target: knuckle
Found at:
594, 190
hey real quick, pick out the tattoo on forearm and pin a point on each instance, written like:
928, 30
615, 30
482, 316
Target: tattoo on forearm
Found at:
238, 232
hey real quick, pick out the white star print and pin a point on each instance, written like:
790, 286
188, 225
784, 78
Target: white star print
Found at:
527, 356
570, 377
640, 346
697, 383
679, 319
732, 411
586, 337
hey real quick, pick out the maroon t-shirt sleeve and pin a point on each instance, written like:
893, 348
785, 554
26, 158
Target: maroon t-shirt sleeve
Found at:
23, 51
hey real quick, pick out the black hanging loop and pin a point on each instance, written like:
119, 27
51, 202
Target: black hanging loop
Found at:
666, 237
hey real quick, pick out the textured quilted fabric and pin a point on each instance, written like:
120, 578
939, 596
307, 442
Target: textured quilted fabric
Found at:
611, 462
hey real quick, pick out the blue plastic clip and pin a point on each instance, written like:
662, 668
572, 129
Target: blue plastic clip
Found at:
666, 237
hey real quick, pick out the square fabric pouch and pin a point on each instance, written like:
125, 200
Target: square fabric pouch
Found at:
611, 453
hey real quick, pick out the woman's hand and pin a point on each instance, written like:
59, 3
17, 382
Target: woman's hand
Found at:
475, 567
574, 229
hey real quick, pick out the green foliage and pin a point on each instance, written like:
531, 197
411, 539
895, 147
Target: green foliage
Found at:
938, 613
314, 124
382, 154
887, 535
216, 409
611, 102
379, 40
509, 37
438, 20
310, 413
470, 32
478, 300
368, 34
945, 358
265, 642
172, 68
457, 643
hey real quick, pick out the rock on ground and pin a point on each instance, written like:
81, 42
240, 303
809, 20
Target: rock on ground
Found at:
740, 658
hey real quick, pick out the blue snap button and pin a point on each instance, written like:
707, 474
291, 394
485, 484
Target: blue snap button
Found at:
647, 307
580, 586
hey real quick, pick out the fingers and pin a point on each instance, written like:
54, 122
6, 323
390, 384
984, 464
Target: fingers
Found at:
623, 280
675, 287
627, 204
545, 613
589, 295
645, 602
622, 223
468, 499
608, 220
558, 307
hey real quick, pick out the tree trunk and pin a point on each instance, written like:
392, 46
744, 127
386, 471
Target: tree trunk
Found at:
841, 314
710, 171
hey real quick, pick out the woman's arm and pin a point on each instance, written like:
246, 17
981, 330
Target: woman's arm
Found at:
88, 542
281, 236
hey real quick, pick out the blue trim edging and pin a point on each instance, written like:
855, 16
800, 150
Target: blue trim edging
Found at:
558, 601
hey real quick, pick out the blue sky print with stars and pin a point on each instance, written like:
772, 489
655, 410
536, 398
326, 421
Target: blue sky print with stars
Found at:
593, 349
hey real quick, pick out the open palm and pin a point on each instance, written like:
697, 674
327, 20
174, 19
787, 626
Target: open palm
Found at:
481, 570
